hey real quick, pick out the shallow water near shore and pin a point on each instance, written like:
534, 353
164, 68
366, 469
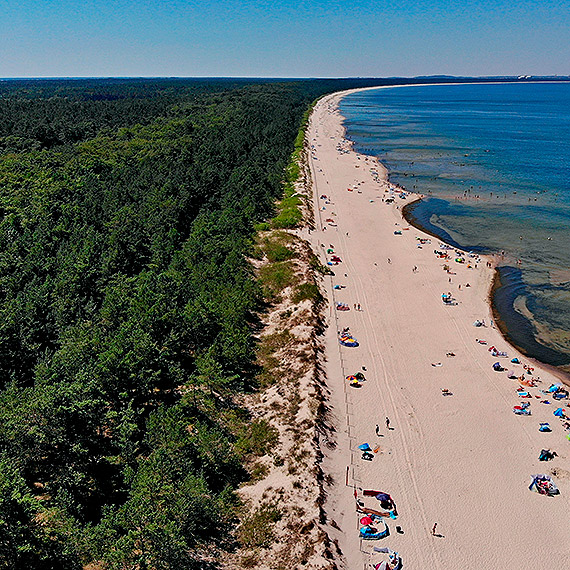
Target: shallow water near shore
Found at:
493, 161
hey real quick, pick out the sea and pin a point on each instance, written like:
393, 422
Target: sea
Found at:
493, 161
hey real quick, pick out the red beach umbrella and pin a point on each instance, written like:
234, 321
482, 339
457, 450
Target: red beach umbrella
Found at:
366, 521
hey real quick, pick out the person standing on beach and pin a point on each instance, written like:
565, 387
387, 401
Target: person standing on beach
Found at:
377, 430
433, 529
387, 422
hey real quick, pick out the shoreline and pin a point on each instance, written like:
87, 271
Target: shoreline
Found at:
556, 361
496, 284
401, 328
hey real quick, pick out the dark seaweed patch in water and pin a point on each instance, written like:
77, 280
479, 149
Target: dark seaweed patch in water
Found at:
516, 327
419, 214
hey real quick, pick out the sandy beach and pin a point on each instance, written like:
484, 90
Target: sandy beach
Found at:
464, 460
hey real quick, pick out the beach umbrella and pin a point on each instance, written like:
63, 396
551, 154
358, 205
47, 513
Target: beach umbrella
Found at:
366, 521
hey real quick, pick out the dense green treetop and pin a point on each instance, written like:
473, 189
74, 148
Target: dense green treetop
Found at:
127, 310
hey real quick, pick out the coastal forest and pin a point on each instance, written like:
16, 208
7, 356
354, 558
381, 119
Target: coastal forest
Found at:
128, 311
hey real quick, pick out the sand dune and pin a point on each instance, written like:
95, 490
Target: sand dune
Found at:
463, 461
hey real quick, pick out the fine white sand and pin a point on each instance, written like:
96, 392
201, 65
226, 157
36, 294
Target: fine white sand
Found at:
464, 461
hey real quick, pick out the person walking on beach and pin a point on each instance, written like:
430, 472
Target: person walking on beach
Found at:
387, 422
433, 529
377, 430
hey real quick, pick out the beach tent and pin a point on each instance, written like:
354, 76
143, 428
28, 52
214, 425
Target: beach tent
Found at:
394, 559
544, 426
369, 532
546, 455
347, 340
559, 413
544, 485
365, 447
386, 501
384, 497
353, 380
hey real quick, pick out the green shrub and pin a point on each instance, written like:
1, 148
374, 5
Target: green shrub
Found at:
273, 342
288, 218
276, 252
306, 291
256, 530
256, 439
259, 471
275, 277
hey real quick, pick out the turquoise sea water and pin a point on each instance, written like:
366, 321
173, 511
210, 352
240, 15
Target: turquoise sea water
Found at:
494, 161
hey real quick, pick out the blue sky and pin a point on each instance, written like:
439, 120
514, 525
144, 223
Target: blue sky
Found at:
294, 38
